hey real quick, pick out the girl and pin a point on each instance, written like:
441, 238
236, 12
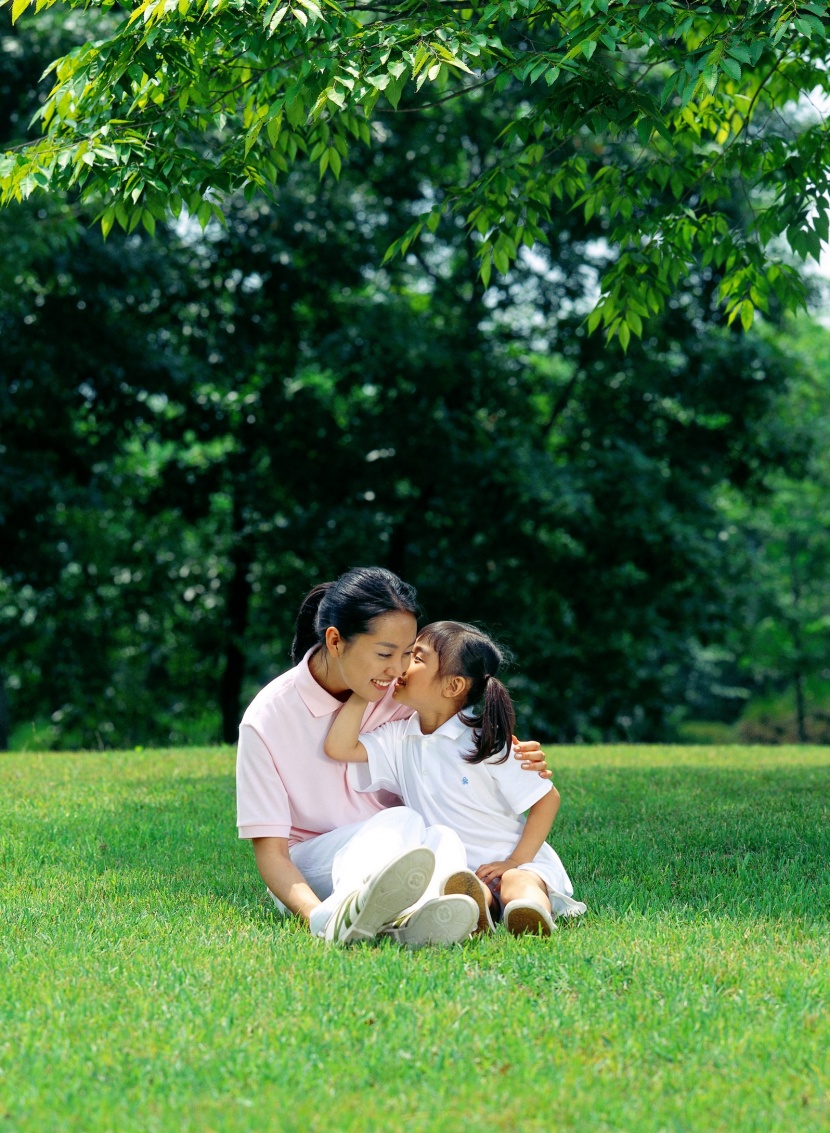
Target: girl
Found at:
453, 769
322, 848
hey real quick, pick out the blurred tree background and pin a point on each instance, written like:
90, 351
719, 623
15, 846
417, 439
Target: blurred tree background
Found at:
197, 427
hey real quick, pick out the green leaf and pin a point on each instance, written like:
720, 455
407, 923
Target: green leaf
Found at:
501, 261
394, 91
732, 68
277, 18
273, 128
739, 51
747, 314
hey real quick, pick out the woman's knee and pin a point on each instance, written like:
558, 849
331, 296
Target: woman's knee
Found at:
400, 822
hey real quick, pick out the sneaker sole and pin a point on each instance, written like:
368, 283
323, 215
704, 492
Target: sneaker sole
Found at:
520, 919
444, 920
467, 884
397, 886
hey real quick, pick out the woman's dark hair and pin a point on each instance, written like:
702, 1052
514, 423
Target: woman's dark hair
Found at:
465, 651
350, 603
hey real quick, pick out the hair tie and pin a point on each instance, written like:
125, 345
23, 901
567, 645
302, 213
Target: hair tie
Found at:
487, 677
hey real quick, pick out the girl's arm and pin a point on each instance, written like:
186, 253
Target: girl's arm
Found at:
343, 741
539, 821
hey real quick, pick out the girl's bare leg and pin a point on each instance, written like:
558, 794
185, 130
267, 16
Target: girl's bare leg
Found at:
522, 885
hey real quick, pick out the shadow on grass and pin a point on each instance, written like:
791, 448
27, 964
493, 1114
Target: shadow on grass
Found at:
684, 841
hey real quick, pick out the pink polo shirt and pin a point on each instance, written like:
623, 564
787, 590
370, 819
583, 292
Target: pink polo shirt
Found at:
286, 786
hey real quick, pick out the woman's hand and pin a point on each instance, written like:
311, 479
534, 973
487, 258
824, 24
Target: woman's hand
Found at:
533, 757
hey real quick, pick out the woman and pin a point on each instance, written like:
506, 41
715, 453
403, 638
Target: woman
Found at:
348, 862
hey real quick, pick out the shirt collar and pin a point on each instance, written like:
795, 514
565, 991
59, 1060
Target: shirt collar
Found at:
453, 728
314, 696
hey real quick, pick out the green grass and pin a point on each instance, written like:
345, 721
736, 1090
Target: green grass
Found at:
146, 984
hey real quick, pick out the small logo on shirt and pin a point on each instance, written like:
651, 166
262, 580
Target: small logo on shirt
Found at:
465, 781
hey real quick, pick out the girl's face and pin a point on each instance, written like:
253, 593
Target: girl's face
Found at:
369, 663
420, 687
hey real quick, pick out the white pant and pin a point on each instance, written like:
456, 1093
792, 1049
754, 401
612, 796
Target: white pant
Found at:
337, 863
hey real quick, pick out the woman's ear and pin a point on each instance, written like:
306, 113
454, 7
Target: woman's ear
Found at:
334, 641
455, 688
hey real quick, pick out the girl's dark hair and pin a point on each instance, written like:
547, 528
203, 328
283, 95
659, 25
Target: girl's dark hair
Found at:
350, 603
465, 651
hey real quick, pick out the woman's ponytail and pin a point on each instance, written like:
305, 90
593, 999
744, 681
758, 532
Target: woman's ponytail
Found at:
305, 628
351, 604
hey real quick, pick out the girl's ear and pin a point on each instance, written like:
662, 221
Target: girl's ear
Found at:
456, 688
334, 641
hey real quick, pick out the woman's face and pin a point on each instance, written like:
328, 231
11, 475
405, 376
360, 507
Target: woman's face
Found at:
369, 663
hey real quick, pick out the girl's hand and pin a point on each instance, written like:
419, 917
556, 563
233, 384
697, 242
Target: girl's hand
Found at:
531, 753
492, 871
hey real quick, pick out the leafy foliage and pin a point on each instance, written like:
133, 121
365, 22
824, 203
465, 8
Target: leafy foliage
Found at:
198, 426
786, 637
652, 117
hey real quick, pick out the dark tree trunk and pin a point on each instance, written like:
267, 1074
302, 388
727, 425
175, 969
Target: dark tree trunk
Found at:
236, 624
798, 673
397, 547
4, 715
396, 556
801, 716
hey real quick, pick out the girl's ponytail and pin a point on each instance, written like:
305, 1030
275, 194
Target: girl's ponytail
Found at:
465, 651
305, 628
493, 728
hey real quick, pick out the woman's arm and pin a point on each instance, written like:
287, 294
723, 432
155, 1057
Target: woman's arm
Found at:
532, 756
282, 877
343, 741
539, 821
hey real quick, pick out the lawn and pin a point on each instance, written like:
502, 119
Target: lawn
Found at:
147, 984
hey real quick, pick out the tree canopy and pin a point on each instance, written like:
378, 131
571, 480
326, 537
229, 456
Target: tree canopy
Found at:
662, 120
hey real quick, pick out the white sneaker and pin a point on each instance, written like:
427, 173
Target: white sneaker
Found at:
526, 916
443, 920
394, 888
466, 882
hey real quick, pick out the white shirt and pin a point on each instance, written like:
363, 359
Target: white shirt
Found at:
482, 802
